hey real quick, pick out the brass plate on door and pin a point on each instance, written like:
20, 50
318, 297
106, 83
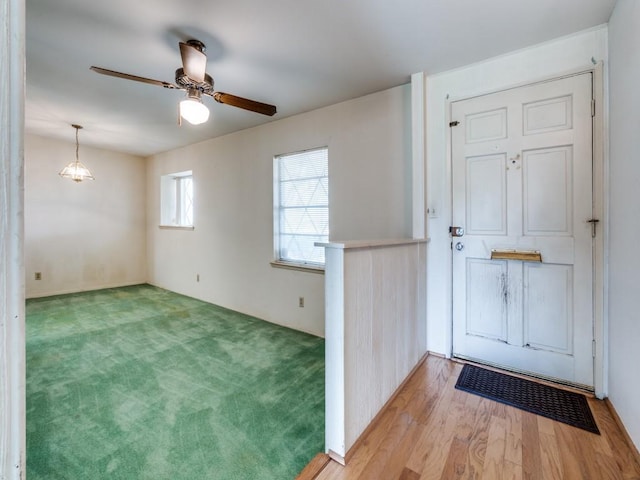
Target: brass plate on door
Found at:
524, 255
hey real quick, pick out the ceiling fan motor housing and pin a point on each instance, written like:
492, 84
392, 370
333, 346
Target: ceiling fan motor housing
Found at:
184, 81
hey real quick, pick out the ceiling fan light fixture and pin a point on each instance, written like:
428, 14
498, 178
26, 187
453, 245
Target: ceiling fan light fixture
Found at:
192, 109
76, 171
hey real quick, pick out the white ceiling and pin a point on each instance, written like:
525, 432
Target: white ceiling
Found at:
296, 54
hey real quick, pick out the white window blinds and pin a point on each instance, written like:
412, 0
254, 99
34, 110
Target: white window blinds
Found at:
302, 206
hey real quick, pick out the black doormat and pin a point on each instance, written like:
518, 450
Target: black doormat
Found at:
566, 407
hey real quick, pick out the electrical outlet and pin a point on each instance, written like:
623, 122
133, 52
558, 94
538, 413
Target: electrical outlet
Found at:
301, 302
197, 277
38, 276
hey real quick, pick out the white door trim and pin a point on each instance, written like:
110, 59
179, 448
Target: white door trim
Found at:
601, 210
12, 307
600, 194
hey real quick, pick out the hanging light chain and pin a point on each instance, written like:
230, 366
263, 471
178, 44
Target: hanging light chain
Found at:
77, 127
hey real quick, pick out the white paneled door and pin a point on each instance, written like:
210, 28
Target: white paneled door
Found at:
522, 192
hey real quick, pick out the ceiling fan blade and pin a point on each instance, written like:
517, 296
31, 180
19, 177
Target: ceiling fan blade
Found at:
194, 61
245, 103
126, 76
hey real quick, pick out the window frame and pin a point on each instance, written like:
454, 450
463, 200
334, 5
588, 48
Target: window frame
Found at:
172, 201
278, 259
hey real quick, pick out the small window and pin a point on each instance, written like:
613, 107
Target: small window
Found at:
301, 207
176, 199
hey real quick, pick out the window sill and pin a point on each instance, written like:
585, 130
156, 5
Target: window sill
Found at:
297, 266
176, 227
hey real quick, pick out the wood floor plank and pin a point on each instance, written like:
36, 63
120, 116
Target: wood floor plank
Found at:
513, 446
390, 457
549, 455
408, 474
442, 440
531, 453
429, 455
496, 445
431, 431
575, 463
398, 457
435, 423
479, 438
457, 464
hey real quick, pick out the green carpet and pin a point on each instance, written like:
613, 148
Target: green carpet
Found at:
141, 383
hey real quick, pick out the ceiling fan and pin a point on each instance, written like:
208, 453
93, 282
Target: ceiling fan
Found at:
196, 82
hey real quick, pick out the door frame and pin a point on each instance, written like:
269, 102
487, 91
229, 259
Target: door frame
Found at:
600, 210
12, 322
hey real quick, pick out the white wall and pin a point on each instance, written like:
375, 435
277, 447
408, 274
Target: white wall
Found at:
535, 63
624, 223
88, 235
232, 244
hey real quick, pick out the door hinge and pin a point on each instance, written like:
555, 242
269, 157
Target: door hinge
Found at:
593, 348
593, 107
454, 124
593, 222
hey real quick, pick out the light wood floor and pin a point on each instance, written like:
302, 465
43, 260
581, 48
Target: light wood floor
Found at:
433, 431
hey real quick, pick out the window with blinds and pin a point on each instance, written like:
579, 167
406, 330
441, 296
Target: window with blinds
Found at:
301, 201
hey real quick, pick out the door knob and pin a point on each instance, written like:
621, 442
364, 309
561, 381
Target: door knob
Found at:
459, 246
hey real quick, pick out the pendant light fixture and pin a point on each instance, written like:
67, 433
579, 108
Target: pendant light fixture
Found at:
76, 171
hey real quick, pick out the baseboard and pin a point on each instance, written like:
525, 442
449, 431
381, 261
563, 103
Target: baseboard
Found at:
436, 354
337, 458
627, 437
92, 288
240, 309
378, 416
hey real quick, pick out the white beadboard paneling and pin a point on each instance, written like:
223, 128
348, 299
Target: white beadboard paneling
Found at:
375, 325
358, 340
